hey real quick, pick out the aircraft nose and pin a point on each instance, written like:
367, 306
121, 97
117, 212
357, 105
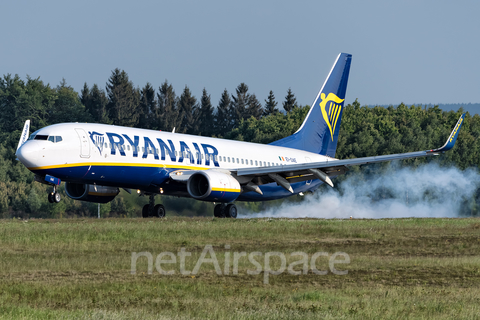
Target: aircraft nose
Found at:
28, 153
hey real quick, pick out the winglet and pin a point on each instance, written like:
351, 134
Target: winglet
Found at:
25, 134
453, 137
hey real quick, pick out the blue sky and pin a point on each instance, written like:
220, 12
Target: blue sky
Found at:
403, 51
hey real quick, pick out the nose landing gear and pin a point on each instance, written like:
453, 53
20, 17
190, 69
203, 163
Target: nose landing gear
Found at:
54, 196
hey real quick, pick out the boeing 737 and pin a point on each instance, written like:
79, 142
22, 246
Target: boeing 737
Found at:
97, 160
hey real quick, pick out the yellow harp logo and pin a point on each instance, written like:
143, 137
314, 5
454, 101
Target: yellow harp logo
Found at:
334, 108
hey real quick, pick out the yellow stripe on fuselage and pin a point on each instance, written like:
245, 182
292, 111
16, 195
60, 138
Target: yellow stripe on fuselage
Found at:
117, 164
225, 190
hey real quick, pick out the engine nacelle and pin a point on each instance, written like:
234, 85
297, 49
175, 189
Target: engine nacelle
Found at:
90, 192
213, 186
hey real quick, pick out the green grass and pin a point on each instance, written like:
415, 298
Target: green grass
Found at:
80, 268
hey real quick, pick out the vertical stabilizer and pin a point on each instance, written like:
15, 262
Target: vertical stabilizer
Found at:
319, 130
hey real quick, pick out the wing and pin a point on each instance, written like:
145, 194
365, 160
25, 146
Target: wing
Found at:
284, 175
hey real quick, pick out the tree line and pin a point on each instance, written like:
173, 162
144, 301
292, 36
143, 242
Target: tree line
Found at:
123, 104
364, 131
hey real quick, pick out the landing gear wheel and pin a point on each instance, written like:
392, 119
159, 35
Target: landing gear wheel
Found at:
218, 211
50, 197
145, 211
56, 197
231, 211
159, 211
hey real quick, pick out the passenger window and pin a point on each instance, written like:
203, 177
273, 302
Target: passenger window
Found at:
269, 164
228, 159
264, 164
256, 163
216, 158
238, 161
242, 161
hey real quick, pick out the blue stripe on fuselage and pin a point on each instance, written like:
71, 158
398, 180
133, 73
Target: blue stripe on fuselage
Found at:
152, 178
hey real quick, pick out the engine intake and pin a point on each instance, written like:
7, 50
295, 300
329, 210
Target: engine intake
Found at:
213, 186
90, 192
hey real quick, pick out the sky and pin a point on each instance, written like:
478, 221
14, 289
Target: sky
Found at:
415, 52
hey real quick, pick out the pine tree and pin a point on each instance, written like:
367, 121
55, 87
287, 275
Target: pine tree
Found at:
290, 101
147, 107
270, 105
167, 116
223, 117
85, 98
98, 105
187, 104
239, 103
205, 117
254, 108
123, 98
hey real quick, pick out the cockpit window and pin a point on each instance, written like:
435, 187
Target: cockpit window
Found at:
55, 139
33, 135
40, 137
36, 136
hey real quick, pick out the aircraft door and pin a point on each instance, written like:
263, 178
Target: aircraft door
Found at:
84, 143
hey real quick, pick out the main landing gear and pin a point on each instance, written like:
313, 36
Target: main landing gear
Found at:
152, 210
224, 210
54, 196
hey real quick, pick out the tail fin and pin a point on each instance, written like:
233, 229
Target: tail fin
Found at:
319, 131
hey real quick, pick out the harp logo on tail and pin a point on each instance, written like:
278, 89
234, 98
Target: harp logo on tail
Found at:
331, 107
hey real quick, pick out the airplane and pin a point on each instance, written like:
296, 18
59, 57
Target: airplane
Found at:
96, 160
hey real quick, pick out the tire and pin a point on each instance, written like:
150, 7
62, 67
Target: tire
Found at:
56, 197
50, 197
218, 211
231, 211
159, 211
145, 211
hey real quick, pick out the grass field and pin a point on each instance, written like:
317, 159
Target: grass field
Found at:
81, 268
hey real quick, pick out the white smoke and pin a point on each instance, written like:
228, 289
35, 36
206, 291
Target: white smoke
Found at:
426, 191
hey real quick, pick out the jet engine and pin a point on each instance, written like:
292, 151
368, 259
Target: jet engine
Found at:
91, 192
213, 186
